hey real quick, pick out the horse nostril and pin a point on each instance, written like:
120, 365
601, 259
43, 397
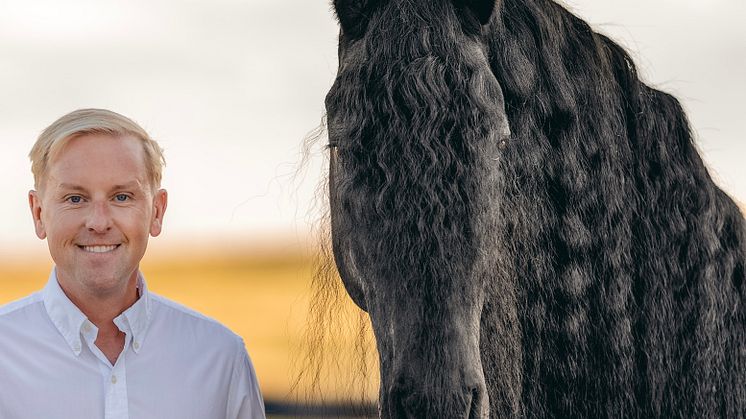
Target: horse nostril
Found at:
476, 405
469, 403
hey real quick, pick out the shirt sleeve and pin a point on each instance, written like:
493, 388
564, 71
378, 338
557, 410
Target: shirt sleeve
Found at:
244, 397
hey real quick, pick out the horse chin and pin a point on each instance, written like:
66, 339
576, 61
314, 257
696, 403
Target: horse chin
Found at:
410, 398
449, 382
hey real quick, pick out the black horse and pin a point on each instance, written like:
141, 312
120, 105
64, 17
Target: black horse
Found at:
528, 225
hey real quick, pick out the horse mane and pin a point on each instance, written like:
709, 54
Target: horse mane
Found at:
612, 187
601, 179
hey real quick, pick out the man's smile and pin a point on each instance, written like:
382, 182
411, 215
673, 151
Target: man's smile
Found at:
99, 248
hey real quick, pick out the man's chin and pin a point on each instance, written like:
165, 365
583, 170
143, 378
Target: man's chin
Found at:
100, 281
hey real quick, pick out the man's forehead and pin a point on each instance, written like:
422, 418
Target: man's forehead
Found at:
97, 143
97, 158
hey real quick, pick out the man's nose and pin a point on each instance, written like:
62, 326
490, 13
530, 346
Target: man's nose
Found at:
99, 218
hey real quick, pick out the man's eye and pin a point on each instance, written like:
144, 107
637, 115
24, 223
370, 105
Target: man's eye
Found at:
122, 197
74, 199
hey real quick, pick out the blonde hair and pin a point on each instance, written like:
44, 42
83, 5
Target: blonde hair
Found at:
93, 121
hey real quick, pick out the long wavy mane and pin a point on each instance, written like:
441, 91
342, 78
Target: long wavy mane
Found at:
612, 188
628, 260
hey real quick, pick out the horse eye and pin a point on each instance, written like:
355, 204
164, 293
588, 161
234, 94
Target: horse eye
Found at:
503, 144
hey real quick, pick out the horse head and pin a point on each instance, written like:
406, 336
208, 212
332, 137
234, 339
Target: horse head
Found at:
417, 126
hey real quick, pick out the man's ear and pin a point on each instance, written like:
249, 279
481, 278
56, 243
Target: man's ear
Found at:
34, 203
160, 202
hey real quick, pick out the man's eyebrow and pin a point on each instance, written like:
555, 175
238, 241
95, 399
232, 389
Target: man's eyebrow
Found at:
129, 185
71, 187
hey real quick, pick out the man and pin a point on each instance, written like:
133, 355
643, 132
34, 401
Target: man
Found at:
95, 343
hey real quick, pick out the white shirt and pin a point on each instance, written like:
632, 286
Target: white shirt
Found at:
176, 363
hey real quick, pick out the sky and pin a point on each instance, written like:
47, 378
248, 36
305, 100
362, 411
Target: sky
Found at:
230, 89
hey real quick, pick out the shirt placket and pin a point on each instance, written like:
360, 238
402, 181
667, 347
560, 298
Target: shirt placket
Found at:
116, 403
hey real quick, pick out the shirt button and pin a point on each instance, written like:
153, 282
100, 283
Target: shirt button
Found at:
87, 328
113, 379
136, 345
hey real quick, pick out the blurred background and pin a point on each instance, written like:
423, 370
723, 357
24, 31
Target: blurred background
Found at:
230, 89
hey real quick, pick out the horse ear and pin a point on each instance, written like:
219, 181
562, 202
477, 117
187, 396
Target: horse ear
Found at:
482, 9
352, 15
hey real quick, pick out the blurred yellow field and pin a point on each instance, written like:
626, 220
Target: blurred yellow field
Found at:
262, 296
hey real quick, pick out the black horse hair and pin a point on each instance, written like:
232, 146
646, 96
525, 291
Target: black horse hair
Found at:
626, 260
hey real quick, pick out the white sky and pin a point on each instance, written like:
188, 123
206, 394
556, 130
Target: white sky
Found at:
230, 88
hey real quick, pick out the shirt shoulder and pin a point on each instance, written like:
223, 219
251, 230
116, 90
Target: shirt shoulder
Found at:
23, 319
194, 323
18, 307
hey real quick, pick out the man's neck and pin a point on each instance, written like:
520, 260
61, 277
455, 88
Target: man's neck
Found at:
101, 310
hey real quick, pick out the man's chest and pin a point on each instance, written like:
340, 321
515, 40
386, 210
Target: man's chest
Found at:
144, 387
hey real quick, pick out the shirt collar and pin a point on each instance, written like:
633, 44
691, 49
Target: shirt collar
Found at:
137, 317
69, 320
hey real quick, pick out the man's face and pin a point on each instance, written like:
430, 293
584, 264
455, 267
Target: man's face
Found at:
96, 208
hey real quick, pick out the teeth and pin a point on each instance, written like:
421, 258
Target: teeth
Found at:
99, 249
